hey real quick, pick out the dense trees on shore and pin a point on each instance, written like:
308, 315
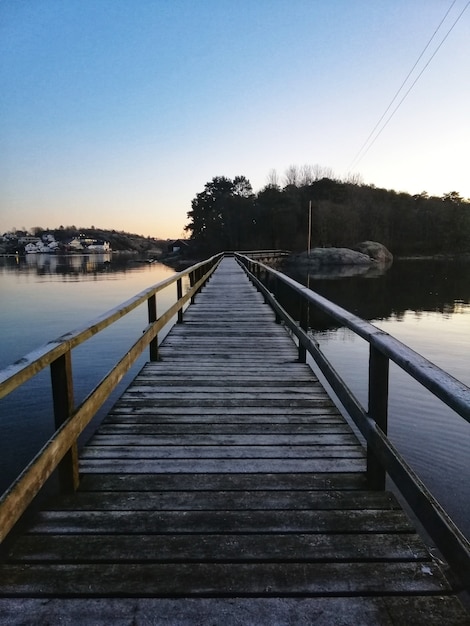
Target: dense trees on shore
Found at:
228, 215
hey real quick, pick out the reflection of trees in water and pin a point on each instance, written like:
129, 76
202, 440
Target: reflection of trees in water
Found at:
423, 285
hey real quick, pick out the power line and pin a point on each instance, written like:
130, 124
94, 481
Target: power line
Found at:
414, 82
400, 88
361, 153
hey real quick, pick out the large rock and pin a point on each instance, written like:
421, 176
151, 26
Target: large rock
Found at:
322, 257
375, 251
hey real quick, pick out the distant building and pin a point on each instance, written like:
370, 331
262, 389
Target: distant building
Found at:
85, 240
28, 239
41, 248
99, 246
179, 245
75, 244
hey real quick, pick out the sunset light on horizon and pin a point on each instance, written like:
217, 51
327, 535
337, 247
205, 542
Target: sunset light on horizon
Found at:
116, 113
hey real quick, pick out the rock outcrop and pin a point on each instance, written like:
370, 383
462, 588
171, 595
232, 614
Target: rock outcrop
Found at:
375, 251
322, 257
369, 258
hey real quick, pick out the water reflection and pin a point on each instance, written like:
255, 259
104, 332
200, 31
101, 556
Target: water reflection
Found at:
421, 285
69, 265
44, 296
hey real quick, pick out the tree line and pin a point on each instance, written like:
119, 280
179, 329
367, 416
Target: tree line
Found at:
228, 215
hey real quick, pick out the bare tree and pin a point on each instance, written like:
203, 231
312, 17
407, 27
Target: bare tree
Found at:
354, 178
307, 176
319, 172
272, 179
292, 176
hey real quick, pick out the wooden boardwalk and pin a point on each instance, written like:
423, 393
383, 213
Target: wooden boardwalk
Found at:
224, 487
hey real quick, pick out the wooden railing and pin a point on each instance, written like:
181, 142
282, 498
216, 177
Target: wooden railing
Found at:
382, 457
261, 255
60, 452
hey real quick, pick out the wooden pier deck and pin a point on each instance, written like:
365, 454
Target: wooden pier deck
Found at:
224, 487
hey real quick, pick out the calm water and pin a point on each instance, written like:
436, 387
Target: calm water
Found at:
44, 296
426, 304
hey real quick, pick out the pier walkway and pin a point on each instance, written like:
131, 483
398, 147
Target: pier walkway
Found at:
224, 487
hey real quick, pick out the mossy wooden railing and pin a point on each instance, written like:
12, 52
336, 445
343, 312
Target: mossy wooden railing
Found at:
60, 452
382, 456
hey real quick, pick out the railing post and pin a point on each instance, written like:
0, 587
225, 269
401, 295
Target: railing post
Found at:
275, 292
263, 277
63, 403
378, 411
152, 312
196, 276
192, 282
303, 322
179, 295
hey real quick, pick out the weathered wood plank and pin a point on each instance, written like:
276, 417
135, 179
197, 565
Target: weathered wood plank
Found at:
421, 610
113, 437
280, 369
215, 482
308, 415
207, 384
221, 465
232, 428
211, 401
200, 393
214, 579
235, 548
199, 500
256, 358
266, 521
148, 451
213, 381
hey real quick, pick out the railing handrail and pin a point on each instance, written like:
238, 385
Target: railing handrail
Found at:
60, 451
382, 456
264, 253
14, 375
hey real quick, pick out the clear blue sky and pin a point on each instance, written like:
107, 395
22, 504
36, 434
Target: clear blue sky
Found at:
117, 112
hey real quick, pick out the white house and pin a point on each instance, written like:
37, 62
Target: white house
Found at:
75, 244
99, 246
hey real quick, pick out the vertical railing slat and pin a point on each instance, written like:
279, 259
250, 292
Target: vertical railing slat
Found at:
179, 295
303, 322
152, 316
192, 282
378, 411
63, 403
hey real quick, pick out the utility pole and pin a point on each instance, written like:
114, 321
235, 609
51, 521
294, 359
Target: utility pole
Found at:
309, 228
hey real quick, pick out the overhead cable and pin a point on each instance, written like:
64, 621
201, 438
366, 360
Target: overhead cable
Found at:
363, 150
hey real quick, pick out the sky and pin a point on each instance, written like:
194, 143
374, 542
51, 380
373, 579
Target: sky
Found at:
115, 113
